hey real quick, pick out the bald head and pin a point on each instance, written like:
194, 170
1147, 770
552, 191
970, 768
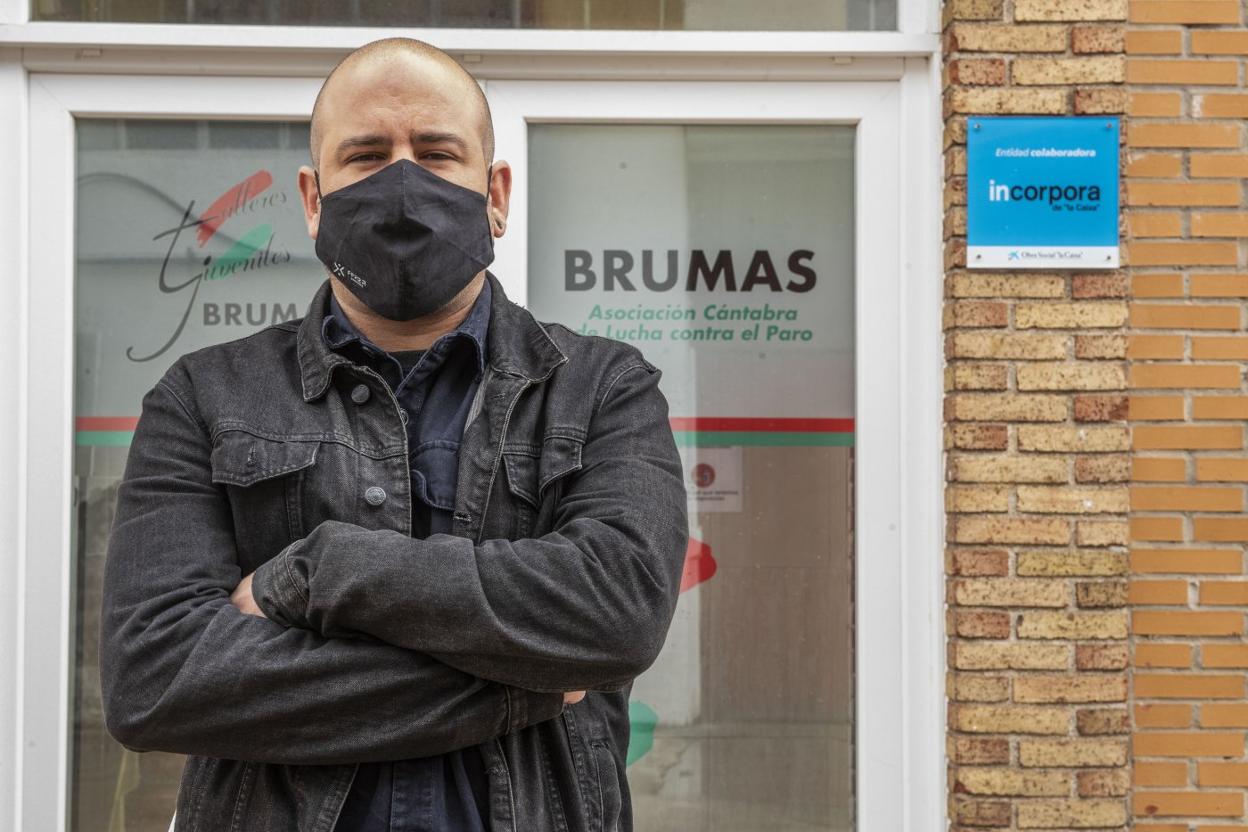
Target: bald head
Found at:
344, 81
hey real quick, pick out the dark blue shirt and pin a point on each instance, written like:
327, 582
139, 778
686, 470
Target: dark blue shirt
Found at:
435, 387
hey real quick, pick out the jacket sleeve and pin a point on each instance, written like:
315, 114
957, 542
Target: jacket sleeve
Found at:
586, 606
185, 671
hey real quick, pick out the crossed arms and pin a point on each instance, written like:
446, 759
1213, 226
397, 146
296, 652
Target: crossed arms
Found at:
377, 645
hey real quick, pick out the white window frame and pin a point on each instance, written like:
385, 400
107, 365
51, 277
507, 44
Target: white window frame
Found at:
51, 73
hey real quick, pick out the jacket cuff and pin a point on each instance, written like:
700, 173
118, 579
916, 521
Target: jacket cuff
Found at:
527, 707
276, 592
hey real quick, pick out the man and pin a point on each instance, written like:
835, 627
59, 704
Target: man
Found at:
394, 565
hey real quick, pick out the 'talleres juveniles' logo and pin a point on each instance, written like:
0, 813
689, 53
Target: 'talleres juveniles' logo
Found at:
251, 251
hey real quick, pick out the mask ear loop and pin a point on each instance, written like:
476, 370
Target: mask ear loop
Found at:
489, 181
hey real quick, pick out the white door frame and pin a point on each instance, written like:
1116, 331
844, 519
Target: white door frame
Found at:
900, 690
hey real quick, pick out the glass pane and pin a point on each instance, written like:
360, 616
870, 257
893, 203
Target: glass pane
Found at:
143, 188
725, 253
800, 15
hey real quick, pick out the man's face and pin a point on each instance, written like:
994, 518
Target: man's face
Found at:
404, 107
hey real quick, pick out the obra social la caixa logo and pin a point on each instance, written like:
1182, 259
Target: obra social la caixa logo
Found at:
251, 250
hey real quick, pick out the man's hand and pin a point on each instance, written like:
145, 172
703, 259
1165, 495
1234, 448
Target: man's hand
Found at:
242, 598
573, 696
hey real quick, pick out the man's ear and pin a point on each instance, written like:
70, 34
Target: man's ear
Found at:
499, 197
309, 195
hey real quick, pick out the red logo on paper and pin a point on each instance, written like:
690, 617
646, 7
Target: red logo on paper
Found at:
703, 475
700, 565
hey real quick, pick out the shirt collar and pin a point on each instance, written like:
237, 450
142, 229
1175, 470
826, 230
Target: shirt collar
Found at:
338, 331
518, 345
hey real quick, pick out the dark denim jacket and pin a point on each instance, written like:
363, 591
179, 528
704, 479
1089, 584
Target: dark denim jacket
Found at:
561, 572
446, 792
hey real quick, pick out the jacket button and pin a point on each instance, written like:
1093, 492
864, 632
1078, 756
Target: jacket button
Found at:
359, 394
375, 495
403, 417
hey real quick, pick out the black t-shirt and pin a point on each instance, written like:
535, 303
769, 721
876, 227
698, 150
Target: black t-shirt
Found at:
407, 359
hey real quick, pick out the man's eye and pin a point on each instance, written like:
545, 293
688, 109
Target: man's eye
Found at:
364, 157
438, 155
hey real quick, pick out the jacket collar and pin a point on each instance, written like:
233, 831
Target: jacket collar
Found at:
517, 344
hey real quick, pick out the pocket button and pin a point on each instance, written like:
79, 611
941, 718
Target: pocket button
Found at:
375, 495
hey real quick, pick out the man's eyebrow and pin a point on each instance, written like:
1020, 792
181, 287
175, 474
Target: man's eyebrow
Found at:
361, 141
439, 138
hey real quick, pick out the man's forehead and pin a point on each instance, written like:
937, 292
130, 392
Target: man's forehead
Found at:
367, 97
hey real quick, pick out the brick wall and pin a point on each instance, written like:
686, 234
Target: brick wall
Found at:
1186, 159
1095, 438
1038, 458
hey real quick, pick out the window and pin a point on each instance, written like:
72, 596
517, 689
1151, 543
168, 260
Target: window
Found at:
141, 187
800, 15
726, 254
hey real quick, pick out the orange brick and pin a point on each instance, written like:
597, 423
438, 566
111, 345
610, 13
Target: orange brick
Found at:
1184, 376
1154, 408
1188, 744
1189, 686
1177, 193
1220, 407
1220, 285
1220, 105
1183, 254
1159, 774
1157, 285
1224, 655
1158, 469
1154, 164
1219, 224
1220, 529
1223, 593
1218, 773
1157, 593
1155, 346
1194, 498
1219, 165
1201, 804
1162, 715
1154, 42
1170, 71
1162, 529
1219, 42
1183, 135
1155, 104
1229, 348
1162, 316
1158, 654
1187, 561
1167, 438
1186, 623
1221, 469
1155, 223
1181, 376
1224, 715
1184, 11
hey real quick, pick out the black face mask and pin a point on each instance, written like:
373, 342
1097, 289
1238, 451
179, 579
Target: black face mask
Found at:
405, 241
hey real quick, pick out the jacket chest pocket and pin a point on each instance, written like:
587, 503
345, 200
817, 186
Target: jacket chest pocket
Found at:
535, 477
263, 479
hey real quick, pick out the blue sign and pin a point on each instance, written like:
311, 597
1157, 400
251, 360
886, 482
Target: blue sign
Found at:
1042, 193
